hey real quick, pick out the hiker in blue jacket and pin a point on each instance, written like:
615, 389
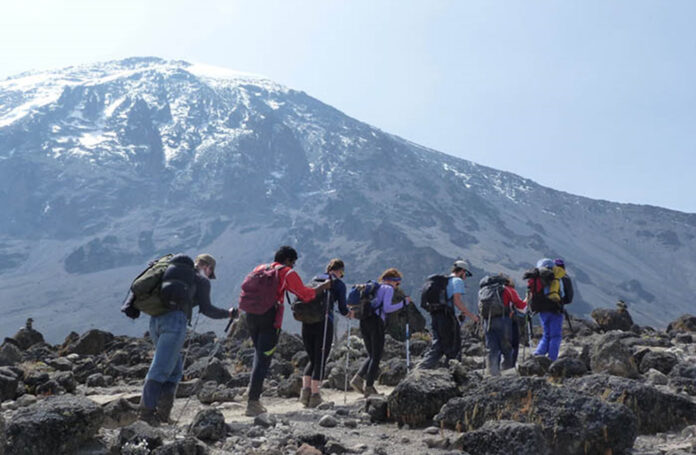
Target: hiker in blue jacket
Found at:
318, 334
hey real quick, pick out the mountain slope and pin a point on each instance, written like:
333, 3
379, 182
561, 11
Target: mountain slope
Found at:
103, 167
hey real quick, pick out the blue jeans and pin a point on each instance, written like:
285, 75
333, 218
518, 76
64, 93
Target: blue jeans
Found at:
498, 335
168, 333
550, 343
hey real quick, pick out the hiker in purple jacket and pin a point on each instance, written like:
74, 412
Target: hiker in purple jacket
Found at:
372, 329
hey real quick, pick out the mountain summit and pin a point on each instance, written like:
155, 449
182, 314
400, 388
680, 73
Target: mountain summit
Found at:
105, 166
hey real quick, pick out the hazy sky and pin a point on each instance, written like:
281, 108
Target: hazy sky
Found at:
596, 98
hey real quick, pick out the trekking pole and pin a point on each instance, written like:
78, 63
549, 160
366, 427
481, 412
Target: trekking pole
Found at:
408, 345
212, 355
529, 330
326, 330
345, 385
567, 318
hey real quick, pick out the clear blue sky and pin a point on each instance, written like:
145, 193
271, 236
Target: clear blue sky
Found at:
597, 98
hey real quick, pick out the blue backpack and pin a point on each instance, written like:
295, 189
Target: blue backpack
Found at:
360, 299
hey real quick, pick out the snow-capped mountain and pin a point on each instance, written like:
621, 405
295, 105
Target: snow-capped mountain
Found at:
103, 167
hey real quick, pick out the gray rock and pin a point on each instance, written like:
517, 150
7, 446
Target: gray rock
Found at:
656, 377
536, 365
657, 411
139, 434
265, 420
684, 323
572, 423
208, 369
421, 395
188, 446
609, 320
350, 423
683, 377
328, 421
281, 368
503, 437
10, 354
9, 380
336, 447
685, 338
300, 359
25, 338
119, 413
3, 442
58, 424
66, 379
609, 355
99, 380
92, 342
659, 360
209, 425
290, 387
393, 371
289, 345
567, 367
376, 408
60, 364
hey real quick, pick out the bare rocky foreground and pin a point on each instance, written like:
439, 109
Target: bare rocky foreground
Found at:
617, 388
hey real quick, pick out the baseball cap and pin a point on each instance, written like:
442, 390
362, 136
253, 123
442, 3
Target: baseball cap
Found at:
462, 265
208, 259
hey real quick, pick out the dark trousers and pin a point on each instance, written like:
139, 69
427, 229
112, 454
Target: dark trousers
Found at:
515, 339
312, 336
447, 339
265, 338
372, 330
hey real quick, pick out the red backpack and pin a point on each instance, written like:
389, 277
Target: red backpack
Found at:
260, 289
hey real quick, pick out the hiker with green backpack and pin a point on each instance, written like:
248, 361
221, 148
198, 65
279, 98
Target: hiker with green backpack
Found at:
317, 319
168, 290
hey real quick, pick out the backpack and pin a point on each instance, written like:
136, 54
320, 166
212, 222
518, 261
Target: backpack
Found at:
360, 299
260, 289
490, 297
146, 288
538, 282
567, 290
434, 293
313, 311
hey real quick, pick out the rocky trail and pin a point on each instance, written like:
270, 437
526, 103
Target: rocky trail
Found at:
615, 389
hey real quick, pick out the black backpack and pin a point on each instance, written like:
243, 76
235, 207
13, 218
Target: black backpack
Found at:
434, 293
313, 311
490, 296
567, 290
360, 299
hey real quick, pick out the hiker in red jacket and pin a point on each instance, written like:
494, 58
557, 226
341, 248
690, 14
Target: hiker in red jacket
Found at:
265, 317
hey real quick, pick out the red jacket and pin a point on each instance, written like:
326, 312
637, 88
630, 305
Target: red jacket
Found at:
289, 281
511, 295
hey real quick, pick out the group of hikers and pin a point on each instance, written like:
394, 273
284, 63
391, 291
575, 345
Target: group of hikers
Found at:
171, 286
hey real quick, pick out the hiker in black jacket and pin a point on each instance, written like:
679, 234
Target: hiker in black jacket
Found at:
187, 284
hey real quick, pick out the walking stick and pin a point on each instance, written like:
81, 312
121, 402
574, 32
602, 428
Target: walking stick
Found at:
326, 329
529, 330
408, 341
345, 385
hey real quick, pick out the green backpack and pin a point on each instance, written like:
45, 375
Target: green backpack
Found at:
147, 286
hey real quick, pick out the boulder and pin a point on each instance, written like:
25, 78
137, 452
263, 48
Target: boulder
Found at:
609, 320
684, 323
10, 354
421, 395
376, 408
211, 391
567, 367
92, 342
683, 377
503, 437
289, 345
393, 349
396, 322
571, 422
188, 446
659, 360
66, 380
657, 411
536, 365
281, 368
609, 355
393, 371
59, 424
208, 369
119, 413
138, 437
99, 380
27, 337
290, 387
9, 380
209, 425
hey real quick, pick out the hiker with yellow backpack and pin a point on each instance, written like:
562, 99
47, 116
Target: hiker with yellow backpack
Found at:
545, 294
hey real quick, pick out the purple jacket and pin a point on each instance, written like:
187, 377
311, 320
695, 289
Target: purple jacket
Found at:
383, 301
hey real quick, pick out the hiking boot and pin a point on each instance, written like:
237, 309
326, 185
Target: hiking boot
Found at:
164, 406
254, 408
315, 400
370, 390
358, 384
304, 396
149, 416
